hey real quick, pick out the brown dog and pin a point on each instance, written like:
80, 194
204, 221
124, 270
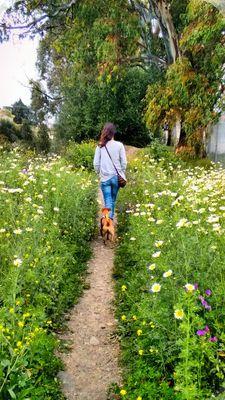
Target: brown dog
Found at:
107, 227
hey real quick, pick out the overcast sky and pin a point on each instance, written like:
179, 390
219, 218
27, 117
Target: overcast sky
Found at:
17, 66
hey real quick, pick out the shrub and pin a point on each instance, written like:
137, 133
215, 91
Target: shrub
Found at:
9, 129
80, 154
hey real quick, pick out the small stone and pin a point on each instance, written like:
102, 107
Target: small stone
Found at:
94, 341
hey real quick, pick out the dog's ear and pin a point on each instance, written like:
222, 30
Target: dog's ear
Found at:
105, 210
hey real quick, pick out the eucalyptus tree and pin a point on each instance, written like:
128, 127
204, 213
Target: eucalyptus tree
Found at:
180, 49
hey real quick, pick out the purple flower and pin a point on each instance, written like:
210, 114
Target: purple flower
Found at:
201, 332
208, 292
196, 286
204, 303
24, 171
213, 339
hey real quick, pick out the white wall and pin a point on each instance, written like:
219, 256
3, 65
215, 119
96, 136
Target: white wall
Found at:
216, 141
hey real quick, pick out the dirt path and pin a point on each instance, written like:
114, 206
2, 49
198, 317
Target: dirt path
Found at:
92, 364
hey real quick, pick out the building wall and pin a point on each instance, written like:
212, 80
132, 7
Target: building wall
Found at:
215, 146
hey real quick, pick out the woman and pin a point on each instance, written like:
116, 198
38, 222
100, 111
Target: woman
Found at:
103, 164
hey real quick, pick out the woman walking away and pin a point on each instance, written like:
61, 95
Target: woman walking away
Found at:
109, 161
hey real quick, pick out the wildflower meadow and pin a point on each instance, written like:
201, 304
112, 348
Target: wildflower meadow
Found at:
47, 218
170, 269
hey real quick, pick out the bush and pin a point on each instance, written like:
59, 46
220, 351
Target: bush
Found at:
80, 155
47, 220
170, 286
10, 130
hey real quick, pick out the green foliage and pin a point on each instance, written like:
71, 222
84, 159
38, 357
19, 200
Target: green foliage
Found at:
43, 140
80, 155
9, 129
26, 131
21, 112
89, 105
16, 131
171, 231
47, 220
190, 88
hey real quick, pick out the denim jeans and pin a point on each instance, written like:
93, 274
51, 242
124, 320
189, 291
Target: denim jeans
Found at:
110, 190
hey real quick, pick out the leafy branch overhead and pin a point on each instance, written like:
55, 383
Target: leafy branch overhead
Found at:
154, 20
89, 51
32, 17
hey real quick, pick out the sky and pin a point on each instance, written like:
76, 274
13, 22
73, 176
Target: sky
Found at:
17, 66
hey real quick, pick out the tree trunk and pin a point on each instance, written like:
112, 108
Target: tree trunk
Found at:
167, 22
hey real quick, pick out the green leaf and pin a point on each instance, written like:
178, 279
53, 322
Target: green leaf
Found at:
12, 393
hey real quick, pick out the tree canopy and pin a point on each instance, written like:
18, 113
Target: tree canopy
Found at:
99, 59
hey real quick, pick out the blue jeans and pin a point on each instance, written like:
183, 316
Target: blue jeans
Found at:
110, 190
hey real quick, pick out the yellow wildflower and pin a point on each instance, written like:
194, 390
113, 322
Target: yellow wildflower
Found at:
189, 287
158, 243
123, 288
123, 317
26, 315
21, 324
141, 352
123, 392
139, 332
156, 287
179, 314
151, 267
167, 273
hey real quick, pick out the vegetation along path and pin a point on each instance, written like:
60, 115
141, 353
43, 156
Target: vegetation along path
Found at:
92, 364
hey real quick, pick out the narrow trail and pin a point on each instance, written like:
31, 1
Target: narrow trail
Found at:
91, 366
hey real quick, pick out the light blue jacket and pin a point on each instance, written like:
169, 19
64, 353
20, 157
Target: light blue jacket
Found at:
103, 164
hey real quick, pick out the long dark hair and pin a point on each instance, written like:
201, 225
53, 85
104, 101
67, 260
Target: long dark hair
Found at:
107, 133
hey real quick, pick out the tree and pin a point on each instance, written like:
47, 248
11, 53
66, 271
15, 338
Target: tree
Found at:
105, 40
39, 105
26, 131
88, 105
40, 17
192, 85
43, 142
21, 112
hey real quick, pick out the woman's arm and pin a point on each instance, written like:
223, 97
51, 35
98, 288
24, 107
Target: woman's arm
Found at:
123, 158
97, 159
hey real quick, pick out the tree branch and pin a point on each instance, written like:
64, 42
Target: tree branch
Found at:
35, 21
149, 58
